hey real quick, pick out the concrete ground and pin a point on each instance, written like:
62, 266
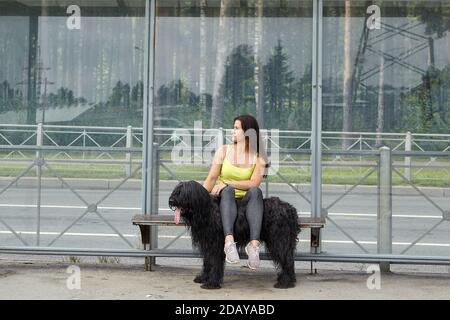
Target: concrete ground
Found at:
23, 277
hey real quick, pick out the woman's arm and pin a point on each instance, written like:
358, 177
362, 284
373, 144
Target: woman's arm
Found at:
255, 179
214, 171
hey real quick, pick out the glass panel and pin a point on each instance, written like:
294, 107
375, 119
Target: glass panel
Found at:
216, 62
385, 73
76, 69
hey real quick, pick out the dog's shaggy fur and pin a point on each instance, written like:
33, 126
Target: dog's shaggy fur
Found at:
200, 212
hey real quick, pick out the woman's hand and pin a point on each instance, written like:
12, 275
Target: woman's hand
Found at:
217, 188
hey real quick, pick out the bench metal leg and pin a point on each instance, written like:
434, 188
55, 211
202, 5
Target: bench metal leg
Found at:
149, 263
316, 241
312, 268
146, 241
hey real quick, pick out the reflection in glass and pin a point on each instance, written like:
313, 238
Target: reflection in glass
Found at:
214, 62
54, 74
389, 79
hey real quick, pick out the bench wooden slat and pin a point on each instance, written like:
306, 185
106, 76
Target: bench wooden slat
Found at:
167, 220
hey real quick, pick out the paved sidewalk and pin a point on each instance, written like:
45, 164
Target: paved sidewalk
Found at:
31, 278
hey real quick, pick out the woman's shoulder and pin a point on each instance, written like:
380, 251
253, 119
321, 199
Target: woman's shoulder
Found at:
224, 148
261, 158
222, 151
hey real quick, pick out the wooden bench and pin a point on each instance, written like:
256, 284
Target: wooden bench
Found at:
145, 221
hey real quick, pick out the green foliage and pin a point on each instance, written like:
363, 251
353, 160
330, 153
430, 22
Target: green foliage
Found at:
423, 107
63, 98
73, 259
10, 98
433, 14
108, 260
279, 82
426, 106
239, 83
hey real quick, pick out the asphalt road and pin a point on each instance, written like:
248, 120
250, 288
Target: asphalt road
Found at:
356, 214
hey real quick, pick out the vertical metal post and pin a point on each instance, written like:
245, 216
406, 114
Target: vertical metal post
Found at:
316, 125
148, 108
129, 144
84, 142
38, 163
32, 70
39, 141
155, 200
360, 149
408, 144
384, 216
221, 136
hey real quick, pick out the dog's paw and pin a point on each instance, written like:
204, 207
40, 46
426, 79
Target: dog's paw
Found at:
200, 279
210, 286
284, 285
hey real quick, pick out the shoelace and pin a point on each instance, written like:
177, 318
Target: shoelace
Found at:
229, 247
256, 248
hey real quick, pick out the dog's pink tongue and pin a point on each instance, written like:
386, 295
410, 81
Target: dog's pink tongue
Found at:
177, 216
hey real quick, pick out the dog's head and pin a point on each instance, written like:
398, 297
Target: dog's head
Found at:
187, 199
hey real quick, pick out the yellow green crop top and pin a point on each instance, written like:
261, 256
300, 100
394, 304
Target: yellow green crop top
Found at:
231, 172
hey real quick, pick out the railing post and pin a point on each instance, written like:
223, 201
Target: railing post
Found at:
384, 215
360, 147
84, 142
316, 124
39, 162
221, 136
129, 144
39, 142
408, 144
155, 205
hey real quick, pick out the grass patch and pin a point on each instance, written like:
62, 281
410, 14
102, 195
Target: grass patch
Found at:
430, 177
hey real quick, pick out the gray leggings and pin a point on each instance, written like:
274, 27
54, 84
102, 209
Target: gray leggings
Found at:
254, 212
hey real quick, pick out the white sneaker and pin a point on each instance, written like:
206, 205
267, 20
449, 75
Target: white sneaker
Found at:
231, 253
253, 256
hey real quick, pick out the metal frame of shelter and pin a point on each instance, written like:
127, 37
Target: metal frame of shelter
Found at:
151, 163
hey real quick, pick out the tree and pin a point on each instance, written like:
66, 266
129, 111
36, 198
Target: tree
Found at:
380, 118
279, 81
203, 57
258, 70
137, 94
239, 76
348, 81
218, 90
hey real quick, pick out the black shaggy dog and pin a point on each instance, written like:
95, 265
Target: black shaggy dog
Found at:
200, 211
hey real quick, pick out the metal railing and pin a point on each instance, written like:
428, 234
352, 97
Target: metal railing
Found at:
384, 168
91, 136
83, 136
41, 163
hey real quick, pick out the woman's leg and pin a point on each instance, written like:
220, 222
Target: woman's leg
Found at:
228, 210
254, 212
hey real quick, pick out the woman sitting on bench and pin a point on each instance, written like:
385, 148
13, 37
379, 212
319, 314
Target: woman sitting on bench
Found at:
239, 168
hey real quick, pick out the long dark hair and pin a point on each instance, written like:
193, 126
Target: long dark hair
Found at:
249, 122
